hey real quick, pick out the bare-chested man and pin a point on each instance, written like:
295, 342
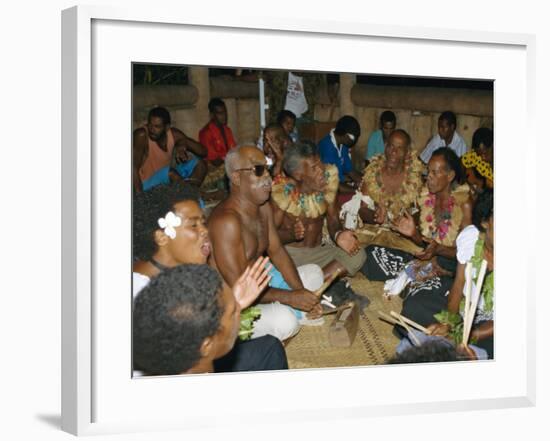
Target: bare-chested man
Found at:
162, 153
242, 229
301, 201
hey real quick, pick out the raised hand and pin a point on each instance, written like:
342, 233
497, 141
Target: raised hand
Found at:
252, 282
405, 225
347, 240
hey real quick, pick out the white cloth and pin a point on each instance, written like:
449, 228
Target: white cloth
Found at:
349, 213
280, 320
139, 281
465, 243
295, 95
457, 144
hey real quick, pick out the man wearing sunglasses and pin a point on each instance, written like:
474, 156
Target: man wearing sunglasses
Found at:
242, 229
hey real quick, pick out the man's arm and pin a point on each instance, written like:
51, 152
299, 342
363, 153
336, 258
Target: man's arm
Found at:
278, 254
345, 239
286, 234
188, 144
139, 154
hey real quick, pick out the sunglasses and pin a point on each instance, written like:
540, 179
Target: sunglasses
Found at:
258, 170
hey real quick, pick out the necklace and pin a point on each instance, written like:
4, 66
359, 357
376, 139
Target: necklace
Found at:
158, 265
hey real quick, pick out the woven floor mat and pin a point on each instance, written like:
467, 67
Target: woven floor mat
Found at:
374, 343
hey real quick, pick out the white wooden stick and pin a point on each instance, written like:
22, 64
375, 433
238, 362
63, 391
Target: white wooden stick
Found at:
475, 301
400, 322
410, 322
467, 295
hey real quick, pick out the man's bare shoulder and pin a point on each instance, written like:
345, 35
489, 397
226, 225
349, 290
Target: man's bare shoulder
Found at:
224, 216
178, 134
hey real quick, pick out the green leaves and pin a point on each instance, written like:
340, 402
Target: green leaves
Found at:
454, 321
248, 316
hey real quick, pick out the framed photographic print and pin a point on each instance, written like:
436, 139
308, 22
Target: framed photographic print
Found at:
109, 54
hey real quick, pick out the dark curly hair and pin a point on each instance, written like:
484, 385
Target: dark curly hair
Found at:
348, 124
433, 350
215, 102
483, 209
448, 116
151, 205
172, 316
284, 114
159, 112
452, 160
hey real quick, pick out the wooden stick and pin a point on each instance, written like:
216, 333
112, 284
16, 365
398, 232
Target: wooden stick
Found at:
410, 322
475, 300
327, 283
467, 294
401, 323
340, 308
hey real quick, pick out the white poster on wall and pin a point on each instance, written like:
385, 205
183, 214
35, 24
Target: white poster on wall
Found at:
295, 95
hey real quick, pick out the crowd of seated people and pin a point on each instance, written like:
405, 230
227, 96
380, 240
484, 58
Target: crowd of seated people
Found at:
277, 234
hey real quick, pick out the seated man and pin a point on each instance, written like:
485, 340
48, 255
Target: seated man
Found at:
446, 136
275, 142
217, 138
242, 229
334, 149
301, 201
379, 138
392, 181
162, 153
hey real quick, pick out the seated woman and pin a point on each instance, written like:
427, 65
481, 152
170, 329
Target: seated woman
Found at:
391, 184
169, 229
478, 163
474, 244
445, 209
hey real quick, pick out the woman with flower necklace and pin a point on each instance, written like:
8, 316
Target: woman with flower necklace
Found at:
445, 209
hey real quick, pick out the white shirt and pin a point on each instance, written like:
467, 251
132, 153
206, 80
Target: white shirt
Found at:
457, 144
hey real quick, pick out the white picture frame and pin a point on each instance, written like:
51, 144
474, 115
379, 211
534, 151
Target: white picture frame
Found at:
98, 394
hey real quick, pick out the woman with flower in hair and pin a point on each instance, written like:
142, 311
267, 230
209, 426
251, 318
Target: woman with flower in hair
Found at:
169, 229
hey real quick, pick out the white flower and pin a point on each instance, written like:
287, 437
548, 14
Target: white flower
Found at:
168, 222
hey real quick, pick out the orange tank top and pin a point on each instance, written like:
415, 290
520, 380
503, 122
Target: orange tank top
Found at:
156, 157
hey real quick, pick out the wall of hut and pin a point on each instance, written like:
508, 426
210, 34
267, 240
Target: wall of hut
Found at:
417, 108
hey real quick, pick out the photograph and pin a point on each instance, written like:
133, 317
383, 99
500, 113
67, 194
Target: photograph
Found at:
299, 219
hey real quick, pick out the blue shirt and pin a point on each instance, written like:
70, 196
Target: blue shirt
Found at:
339, 156
375, 146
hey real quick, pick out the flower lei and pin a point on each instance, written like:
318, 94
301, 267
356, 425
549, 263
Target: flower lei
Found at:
473, 160
288, 198
405, 196
445, 227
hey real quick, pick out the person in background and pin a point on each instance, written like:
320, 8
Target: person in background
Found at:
162, 153
218, 139
287, 120
446, 136
275, 142
379, 138
335, 147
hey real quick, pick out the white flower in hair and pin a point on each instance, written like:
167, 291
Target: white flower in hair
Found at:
168, 222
